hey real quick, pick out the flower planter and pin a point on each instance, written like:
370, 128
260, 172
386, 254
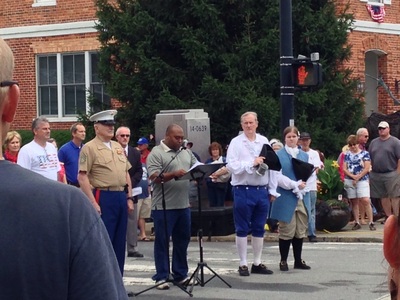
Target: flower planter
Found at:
331, 218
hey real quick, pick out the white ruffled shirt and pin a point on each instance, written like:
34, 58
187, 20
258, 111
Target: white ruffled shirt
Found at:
240, 159
289, 184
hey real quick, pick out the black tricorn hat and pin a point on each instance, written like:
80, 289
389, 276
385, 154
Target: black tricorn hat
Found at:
302, 170
271, 159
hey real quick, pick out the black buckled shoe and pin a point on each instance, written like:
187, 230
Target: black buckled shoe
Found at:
302, 265
312, 239
244, 271
260, 269
283, 266
135, 254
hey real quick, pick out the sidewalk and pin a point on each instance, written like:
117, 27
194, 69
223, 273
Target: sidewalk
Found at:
346, 235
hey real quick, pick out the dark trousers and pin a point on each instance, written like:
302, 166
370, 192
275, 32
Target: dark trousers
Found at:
216, 193
179, 228
114, 213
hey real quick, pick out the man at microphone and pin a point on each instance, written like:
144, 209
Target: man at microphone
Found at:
167, 162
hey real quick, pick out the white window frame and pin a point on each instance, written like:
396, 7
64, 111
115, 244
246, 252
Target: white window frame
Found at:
60, 107
377, 2
39, 3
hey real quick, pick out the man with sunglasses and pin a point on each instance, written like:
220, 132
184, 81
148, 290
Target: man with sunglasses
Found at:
385, 175
104, 178
362, 137
123, 135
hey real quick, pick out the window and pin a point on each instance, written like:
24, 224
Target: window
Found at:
48, 85
377, 2
101, 99
64, 81
37, 3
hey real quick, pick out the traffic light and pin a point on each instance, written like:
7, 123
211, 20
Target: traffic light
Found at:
306, 73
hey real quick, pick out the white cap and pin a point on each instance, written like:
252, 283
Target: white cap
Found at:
105, 117
383, 124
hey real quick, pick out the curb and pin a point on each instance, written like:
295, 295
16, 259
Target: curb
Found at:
326, 239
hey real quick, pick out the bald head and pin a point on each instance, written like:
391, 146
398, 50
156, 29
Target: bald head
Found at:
174, 136
6, 66
9, 90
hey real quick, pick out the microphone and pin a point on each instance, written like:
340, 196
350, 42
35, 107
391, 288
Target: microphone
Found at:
184, 145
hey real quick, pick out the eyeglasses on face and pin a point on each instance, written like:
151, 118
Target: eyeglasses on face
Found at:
8, 83
351, 145
125, 135
381, 128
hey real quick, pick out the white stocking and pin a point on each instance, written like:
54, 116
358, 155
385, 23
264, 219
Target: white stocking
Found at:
241, 245
257, 244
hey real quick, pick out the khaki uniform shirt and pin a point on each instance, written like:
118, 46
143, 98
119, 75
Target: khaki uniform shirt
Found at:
105, 167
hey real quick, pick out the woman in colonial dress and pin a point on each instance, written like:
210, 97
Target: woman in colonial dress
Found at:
291, 207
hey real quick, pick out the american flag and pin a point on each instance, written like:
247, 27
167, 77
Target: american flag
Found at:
377, 12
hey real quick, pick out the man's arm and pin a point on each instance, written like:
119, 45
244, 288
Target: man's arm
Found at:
136, 171
61, 155
24, 159
129, 194
155, 167
87, 189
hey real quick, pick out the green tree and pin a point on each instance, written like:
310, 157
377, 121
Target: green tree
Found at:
223, 56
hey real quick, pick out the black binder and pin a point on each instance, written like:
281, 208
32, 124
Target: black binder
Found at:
201, 171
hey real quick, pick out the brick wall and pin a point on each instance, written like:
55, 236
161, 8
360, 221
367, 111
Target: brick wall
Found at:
25, 51
21, 13
387, 45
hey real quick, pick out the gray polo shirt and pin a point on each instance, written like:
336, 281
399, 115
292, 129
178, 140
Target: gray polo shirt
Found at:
385, 154
176, 191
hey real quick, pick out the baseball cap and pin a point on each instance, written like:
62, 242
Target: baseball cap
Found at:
383, 124
305, 136
142, 141
105, 117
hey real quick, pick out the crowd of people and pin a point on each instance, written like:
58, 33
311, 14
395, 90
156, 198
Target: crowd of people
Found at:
93, 198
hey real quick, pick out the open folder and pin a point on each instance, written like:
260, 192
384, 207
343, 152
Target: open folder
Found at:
201, 171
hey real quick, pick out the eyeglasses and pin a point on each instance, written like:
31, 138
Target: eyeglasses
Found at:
8, 83
381, 128
125, 135
351, 145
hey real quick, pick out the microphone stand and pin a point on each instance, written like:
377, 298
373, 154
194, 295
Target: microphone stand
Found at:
169, 278
199, 173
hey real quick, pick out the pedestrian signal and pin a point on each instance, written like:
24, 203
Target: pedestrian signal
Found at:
306, 73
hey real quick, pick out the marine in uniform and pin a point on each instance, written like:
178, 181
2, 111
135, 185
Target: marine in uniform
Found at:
104, 178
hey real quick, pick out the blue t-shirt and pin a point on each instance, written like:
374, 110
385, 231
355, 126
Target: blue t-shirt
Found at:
355, 162
69, 155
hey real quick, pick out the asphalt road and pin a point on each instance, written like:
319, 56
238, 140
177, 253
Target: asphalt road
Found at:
339, 271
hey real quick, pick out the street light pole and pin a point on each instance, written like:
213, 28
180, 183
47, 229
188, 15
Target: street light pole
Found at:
286, 59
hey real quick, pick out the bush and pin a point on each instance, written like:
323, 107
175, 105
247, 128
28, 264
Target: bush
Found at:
61, 136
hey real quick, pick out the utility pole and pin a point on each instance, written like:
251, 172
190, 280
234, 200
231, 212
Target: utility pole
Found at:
286, 59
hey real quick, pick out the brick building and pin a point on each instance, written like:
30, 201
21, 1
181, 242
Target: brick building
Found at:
54, 42
375, 45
